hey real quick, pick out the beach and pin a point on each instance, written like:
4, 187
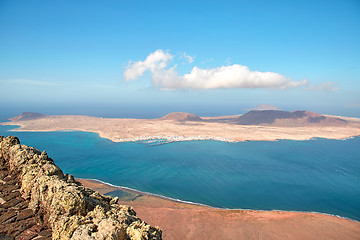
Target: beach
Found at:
212, 128
180, 220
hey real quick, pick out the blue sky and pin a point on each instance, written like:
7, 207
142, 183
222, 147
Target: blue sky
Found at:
293, 54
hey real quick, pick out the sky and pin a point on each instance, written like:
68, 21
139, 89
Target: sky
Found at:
205, 57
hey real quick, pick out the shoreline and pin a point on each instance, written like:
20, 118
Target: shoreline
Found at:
177, 129
122, 188
170, 139
181, 220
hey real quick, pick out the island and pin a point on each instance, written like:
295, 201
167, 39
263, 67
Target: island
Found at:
181, 220
256, 125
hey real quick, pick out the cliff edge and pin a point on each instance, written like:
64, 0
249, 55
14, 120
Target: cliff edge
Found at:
69, 209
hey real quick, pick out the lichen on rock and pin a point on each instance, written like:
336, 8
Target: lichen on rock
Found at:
71, 210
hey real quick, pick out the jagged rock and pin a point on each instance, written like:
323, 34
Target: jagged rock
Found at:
72, 211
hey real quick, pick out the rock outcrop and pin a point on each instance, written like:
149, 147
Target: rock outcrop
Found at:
69, 209
27, 116
181, 116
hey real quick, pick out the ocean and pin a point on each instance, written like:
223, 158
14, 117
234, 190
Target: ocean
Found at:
319, 175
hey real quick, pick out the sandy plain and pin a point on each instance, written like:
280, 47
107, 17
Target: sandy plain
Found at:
215, 128
180, 220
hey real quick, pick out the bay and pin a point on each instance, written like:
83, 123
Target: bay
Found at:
319, 175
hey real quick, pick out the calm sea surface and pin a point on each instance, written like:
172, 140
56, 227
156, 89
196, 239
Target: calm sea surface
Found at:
319, 175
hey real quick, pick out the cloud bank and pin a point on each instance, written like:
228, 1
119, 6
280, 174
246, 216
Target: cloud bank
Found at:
232, 76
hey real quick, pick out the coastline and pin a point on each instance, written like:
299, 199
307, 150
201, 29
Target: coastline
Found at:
133, 130
131, 190
179, 138
178, 218
86, 181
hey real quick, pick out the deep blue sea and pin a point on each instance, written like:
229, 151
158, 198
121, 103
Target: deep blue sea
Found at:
318, 175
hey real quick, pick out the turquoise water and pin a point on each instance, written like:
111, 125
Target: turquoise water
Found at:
319, 175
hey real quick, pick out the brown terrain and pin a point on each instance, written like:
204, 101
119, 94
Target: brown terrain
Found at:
180, 220
181, 116
27, 116
267, 125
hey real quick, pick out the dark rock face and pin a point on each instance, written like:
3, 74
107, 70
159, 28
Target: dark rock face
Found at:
299, 114
304, 118
17, 220
263, 116
70, 210
316, 119
181, 116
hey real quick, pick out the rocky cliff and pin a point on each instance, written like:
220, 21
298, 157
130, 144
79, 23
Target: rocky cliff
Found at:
69, 209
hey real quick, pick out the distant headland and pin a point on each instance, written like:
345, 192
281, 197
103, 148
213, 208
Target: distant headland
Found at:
255, 125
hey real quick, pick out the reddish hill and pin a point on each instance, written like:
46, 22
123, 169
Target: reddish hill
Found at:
27, 116
284, 118
181, 116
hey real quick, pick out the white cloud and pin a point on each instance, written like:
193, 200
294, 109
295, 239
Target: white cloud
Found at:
187, 57
323, 87
154, 62
232, 76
